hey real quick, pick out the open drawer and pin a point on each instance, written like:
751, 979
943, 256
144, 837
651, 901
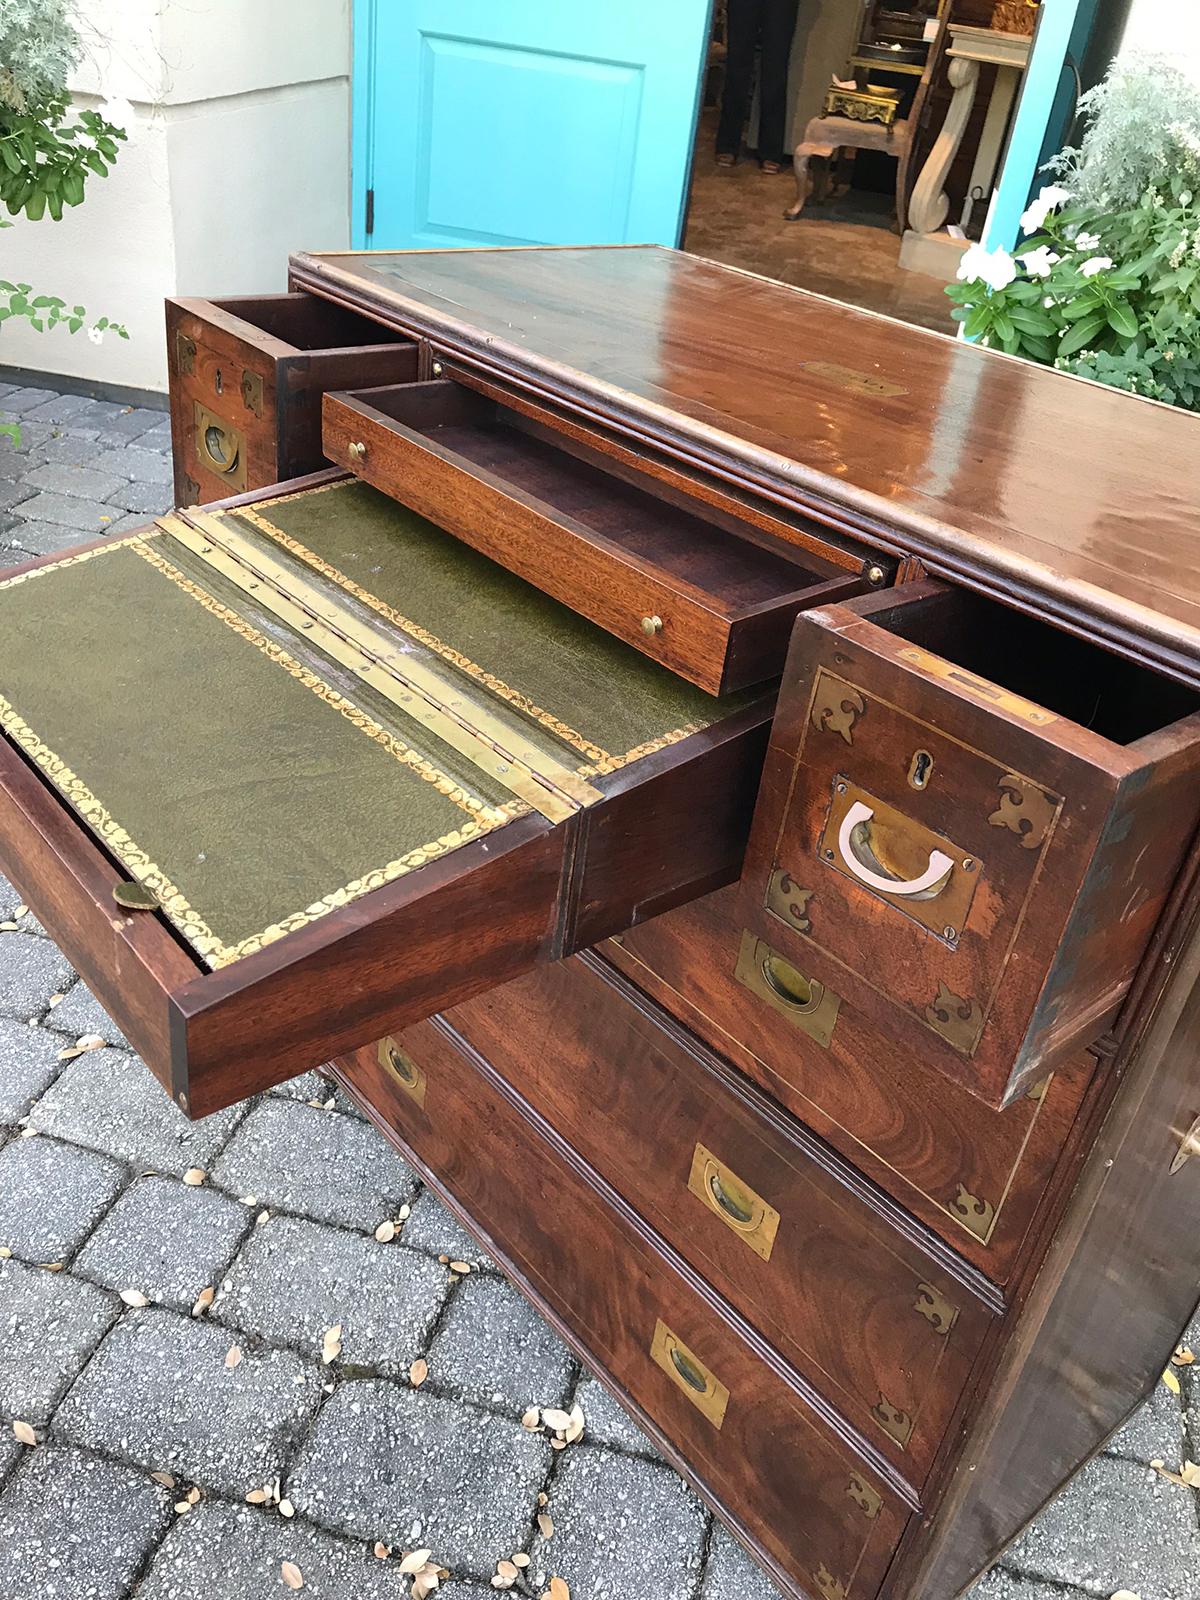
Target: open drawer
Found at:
710, 598
968, 826
269, 816
246, 379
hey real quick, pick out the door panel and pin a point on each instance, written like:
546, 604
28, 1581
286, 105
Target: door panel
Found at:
527, 123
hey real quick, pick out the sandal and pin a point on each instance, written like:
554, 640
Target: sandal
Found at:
772, 167
726, 159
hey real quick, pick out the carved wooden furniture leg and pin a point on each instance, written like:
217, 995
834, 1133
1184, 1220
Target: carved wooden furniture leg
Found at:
930, 205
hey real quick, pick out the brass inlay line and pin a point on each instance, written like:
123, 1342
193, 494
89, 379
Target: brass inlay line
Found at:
548, 786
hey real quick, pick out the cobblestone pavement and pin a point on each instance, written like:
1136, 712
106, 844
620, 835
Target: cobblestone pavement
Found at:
167, 1291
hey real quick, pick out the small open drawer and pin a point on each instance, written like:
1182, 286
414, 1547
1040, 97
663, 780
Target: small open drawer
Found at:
680, 582
269, 818
246, 379
968, 827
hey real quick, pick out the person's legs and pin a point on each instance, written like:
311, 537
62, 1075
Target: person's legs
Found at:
778, 26
745, 17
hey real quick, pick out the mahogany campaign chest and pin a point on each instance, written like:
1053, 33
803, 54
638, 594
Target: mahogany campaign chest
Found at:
718, 775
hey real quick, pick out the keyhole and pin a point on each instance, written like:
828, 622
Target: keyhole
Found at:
219, 382
920, 769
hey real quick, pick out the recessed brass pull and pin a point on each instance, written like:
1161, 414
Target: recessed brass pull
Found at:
689, 1374
405, 1071
220, 448
747, 1214
133, 896
810, 1005
1189, 1146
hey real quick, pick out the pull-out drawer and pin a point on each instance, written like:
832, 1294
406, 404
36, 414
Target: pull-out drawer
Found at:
969, 825
976, 1175
710, 598
246, 379
750, 1432
269, 816
877, 1315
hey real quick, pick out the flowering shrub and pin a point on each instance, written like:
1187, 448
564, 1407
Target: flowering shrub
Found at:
1107, 281
48, 150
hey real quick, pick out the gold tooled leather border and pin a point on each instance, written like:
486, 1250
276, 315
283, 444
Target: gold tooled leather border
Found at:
213, 950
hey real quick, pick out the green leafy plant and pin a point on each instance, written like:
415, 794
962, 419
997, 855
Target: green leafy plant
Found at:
49, 150
1107, 281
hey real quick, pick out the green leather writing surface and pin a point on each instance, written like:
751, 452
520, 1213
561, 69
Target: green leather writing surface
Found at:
606, 700
221, 772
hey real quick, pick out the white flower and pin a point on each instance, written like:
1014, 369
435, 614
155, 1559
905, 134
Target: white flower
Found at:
119, 112
1086, 241
1089, 269
995, 267
1049, 199
1037, 263
96, 335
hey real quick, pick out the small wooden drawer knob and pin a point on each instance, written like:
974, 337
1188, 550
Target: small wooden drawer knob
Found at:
357, 452
651, 626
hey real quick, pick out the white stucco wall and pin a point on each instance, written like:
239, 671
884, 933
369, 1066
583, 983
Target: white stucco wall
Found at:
238, 154
1169, 26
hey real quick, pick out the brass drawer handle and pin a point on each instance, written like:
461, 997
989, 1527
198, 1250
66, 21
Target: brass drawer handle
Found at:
689, 1374
652, 625
736, 1204
357, 452
810, 1006
854, 844
403, 1069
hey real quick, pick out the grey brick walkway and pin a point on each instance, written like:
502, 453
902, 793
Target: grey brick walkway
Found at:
165, 1340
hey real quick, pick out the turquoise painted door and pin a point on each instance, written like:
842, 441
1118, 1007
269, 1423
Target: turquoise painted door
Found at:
509, 122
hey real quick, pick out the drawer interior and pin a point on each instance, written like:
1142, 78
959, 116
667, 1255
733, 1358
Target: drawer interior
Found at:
325, 808
689, 585
306, 322
1117, 699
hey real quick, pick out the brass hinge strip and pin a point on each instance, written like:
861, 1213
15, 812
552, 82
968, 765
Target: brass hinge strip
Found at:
549, 787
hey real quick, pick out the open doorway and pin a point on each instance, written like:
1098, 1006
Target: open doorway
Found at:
867, 90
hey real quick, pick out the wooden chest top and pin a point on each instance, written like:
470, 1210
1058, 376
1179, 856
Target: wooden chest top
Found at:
1068, 498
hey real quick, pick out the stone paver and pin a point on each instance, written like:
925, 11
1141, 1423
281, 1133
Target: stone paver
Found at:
294, 1279
407, 1467
31, 970
431, 1227
38, 538
135, 462
49, 1325
1082, 1539
79, 1012
85, 483
85, 517
28, 1065
321, 1163
607, 1421
606, 1507
731, 1575
109, 1101
147, 499
235, 1553
52, 1195
73, 1527
493, 1347
159, 1393
167, 1240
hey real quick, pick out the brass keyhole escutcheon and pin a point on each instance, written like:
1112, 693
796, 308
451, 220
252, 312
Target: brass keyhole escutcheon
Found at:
737, 1209
690, 1374
920, 769
792, 987
408, 1076
219, 381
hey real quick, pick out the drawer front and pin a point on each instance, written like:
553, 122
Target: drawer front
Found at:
974, 1174
804, 1250
246, 379
669, 578
976, 872
829, 1517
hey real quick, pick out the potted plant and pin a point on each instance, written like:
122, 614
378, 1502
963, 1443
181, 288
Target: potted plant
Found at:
1106, 282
